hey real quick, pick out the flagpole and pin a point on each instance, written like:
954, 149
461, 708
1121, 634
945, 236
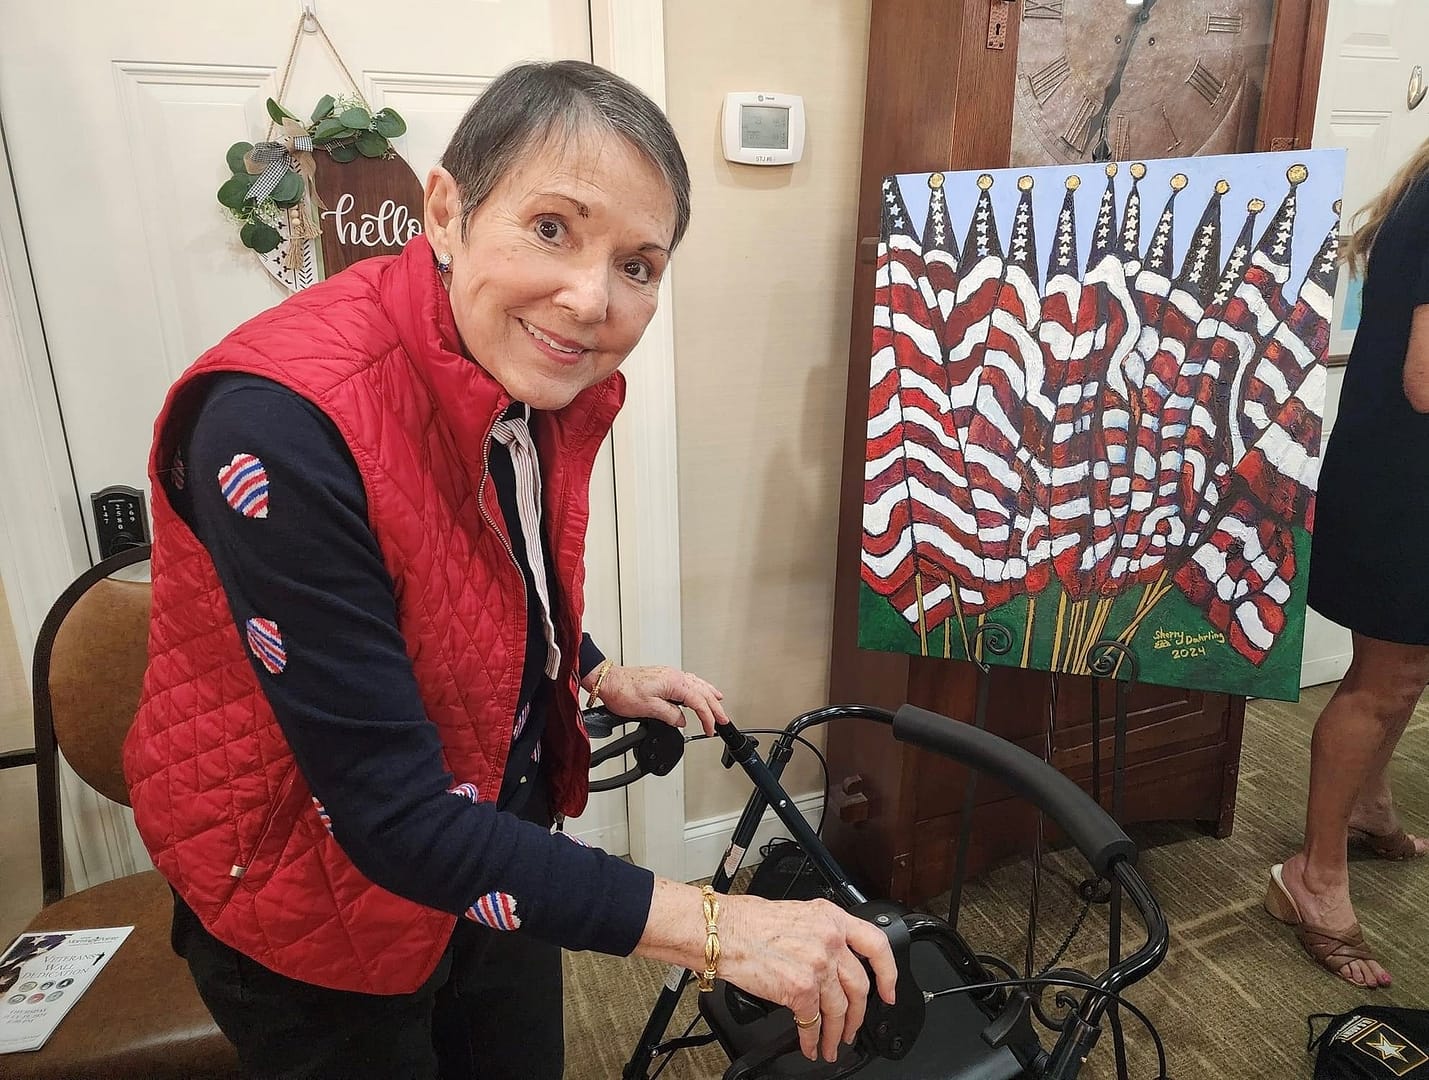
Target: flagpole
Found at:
1027, 634
1079, 632
1057, 636
922, 614
1099, 621
958, 609
1155, 593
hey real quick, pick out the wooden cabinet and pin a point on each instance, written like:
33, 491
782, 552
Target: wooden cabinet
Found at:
895, 811
939, 98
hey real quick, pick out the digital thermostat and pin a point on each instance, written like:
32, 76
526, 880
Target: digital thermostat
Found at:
761, 128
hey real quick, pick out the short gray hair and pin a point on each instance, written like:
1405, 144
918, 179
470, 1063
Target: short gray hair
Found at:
530, 103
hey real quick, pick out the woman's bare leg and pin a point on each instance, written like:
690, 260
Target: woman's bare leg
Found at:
1354, 739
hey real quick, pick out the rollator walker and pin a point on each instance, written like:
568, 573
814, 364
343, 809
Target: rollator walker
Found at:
959, 1015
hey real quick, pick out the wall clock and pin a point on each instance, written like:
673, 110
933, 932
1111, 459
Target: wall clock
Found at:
1108, 79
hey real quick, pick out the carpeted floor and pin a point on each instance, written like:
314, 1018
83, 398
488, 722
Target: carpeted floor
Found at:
1231, 998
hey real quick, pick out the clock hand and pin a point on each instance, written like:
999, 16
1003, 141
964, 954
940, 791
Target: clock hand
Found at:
1113, 89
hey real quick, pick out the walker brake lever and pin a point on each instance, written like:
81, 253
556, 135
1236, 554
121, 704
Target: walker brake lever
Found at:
656, 746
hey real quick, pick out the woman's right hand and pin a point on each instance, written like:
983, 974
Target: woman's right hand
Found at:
803, 954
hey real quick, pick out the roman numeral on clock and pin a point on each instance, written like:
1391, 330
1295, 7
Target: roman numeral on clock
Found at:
1044, 83
1042, 9
1175, 139
1121, 139
1079, 131
1225, 24
1206, 83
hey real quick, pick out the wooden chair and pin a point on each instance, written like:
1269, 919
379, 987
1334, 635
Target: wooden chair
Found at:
142, 1017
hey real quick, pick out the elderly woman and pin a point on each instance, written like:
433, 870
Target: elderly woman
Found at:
360, 716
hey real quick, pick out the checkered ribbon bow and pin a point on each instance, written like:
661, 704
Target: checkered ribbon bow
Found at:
271, 161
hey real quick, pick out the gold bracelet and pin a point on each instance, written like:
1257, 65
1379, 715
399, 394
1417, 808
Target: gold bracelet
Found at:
601, 673
711, 905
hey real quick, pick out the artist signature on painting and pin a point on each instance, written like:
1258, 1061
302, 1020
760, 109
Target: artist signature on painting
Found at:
1186, 646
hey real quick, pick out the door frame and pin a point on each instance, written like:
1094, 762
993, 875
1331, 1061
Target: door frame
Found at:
43, 546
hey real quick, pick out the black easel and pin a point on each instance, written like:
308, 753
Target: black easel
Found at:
997, 639
1109, 656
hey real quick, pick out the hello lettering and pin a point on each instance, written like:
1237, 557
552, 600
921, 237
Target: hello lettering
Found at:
390, 227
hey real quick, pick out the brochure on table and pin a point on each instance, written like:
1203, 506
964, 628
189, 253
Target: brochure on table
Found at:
42, 975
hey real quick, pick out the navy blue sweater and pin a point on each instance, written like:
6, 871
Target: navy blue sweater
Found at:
345, 694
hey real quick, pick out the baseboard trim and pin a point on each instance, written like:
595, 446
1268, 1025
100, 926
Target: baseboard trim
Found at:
1324, 669
706, 840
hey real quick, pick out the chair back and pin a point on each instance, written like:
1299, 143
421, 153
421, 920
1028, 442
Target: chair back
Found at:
90, 657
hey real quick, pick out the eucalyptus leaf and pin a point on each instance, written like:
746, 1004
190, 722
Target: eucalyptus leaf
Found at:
343, 152
235, 158
323, 108
357, 118
371, 144
277, 112
234, 191
331, 128
289, 189
389, 125
261, 238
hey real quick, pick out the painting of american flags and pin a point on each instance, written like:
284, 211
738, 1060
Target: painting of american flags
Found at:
1095, 406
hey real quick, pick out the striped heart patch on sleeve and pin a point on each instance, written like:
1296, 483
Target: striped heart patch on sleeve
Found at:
496, 910
267, 644
244, 483
323, 815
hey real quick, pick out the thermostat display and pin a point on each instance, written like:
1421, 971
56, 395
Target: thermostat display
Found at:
763, 128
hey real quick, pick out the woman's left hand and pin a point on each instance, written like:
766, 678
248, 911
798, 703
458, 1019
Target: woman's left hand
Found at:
659, 692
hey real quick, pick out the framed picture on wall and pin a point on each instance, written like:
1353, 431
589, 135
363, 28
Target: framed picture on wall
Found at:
1349, 295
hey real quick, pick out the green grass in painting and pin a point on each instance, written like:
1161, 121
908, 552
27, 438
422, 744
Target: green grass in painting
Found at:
1208, 665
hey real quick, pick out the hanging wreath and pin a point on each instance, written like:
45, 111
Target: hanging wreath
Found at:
273, 182
316, 196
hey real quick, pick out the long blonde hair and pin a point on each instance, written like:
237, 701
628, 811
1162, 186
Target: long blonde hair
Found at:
1371, 216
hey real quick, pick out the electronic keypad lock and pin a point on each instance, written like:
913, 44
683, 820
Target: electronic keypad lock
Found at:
120, 520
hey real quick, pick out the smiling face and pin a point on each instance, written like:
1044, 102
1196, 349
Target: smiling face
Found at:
558, 273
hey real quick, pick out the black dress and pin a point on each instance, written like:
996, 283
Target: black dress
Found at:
1370, 567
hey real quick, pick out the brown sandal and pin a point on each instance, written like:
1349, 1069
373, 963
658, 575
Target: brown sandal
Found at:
1332, 950
1395, 846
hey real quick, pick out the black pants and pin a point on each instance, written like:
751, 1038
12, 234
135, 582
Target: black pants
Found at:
490, 1011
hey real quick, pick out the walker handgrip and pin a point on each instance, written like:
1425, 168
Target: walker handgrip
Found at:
1091, 828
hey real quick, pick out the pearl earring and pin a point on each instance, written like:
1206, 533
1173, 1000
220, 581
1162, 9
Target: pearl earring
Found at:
444, 263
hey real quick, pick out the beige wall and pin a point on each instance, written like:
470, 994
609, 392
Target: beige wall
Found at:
762, 289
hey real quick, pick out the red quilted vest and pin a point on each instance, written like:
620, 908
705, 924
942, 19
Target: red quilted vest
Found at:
217, 795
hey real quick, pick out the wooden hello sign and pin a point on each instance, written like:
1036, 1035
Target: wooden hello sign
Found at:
370, 206
316, 197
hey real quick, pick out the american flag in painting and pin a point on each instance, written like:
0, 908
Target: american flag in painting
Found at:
1128, 414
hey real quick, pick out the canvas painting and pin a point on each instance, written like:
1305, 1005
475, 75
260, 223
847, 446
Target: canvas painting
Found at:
1095, 408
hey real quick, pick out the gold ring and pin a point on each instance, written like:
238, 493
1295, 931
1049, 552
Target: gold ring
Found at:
810, 1022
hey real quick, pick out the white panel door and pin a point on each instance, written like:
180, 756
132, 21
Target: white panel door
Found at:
117, 118
1372, 48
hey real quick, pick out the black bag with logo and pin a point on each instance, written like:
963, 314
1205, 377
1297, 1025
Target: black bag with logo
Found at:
1375, 1042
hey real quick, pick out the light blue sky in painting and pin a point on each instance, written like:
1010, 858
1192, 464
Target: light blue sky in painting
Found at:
1249, 175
